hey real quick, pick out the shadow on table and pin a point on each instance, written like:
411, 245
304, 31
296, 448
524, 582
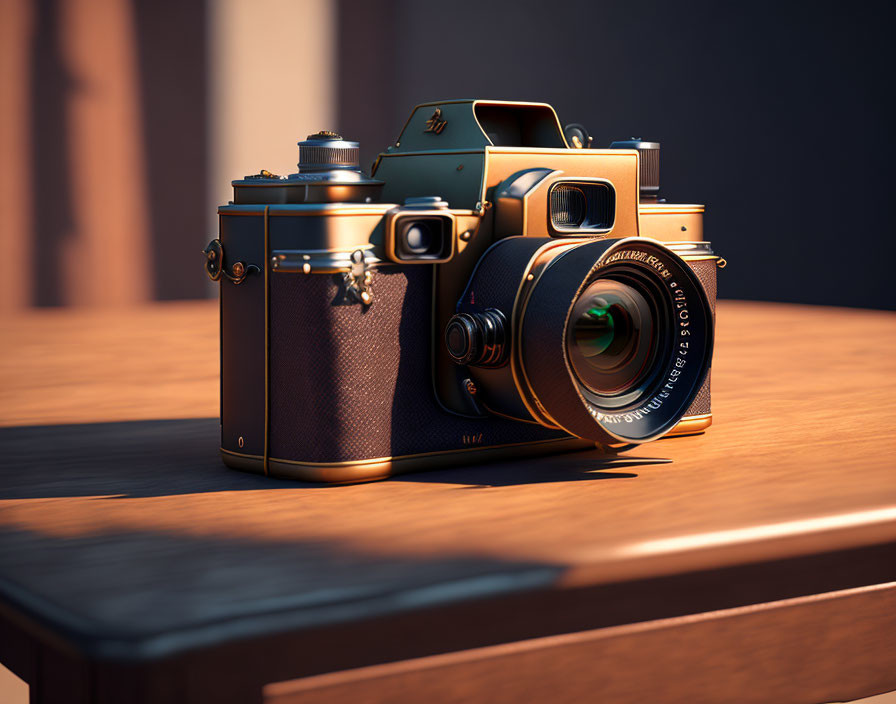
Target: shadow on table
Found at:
171, 457
569, 467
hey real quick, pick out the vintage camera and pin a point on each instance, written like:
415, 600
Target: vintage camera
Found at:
490, 291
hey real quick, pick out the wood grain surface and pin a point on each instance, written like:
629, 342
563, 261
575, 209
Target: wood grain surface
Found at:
123, 536
682, 660
64, 365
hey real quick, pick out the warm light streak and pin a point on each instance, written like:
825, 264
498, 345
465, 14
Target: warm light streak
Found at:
771, 531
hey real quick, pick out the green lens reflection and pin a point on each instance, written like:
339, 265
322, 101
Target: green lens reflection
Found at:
595, 330
610, 338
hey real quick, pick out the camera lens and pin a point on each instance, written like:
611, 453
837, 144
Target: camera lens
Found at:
582, 207
608, 340
615, 339
422, 238
611, 337
568, 206
418, 238
459, 338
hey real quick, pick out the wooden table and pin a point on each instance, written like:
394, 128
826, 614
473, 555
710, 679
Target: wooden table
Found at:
754, 563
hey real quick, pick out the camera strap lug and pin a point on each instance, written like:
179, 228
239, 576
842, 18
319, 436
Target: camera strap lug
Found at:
358, 278
214, 265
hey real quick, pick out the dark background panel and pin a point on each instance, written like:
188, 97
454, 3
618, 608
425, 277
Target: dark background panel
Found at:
776, 116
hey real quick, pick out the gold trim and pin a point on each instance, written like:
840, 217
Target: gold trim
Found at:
690, 425
670, 208
516, 365
493, 412
477, 101
492, 149
688, 244
626, 153
220, 348
295, 183
283, 182
267, 340
381, 467
419, 455
240, 454
424, 152
432, 152
699, 246
483, 190
379, 209
518, 322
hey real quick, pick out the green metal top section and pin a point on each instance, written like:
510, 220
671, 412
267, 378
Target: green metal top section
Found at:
452, 125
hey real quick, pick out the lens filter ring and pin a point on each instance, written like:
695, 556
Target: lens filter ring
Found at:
614, 339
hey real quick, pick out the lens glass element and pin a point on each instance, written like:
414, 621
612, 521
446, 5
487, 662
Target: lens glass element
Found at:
423, 238
418, 238
582, 207
611, 338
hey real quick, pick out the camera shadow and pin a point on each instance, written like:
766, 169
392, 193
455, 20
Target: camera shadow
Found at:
122, 459
568, 467
142, 459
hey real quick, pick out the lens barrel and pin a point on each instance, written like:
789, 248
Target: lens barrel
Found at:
609, 340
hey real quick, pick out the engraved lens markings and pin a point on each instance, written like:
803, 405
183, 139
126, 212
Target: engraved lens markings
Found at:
638, 255
674, 374
682, 318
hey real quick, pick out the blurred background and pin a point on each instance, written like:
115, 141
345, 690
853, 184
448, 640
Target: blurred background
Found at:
123, 122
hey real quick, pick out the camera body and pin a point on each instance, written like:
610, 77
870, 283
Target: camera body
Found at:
426, 315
